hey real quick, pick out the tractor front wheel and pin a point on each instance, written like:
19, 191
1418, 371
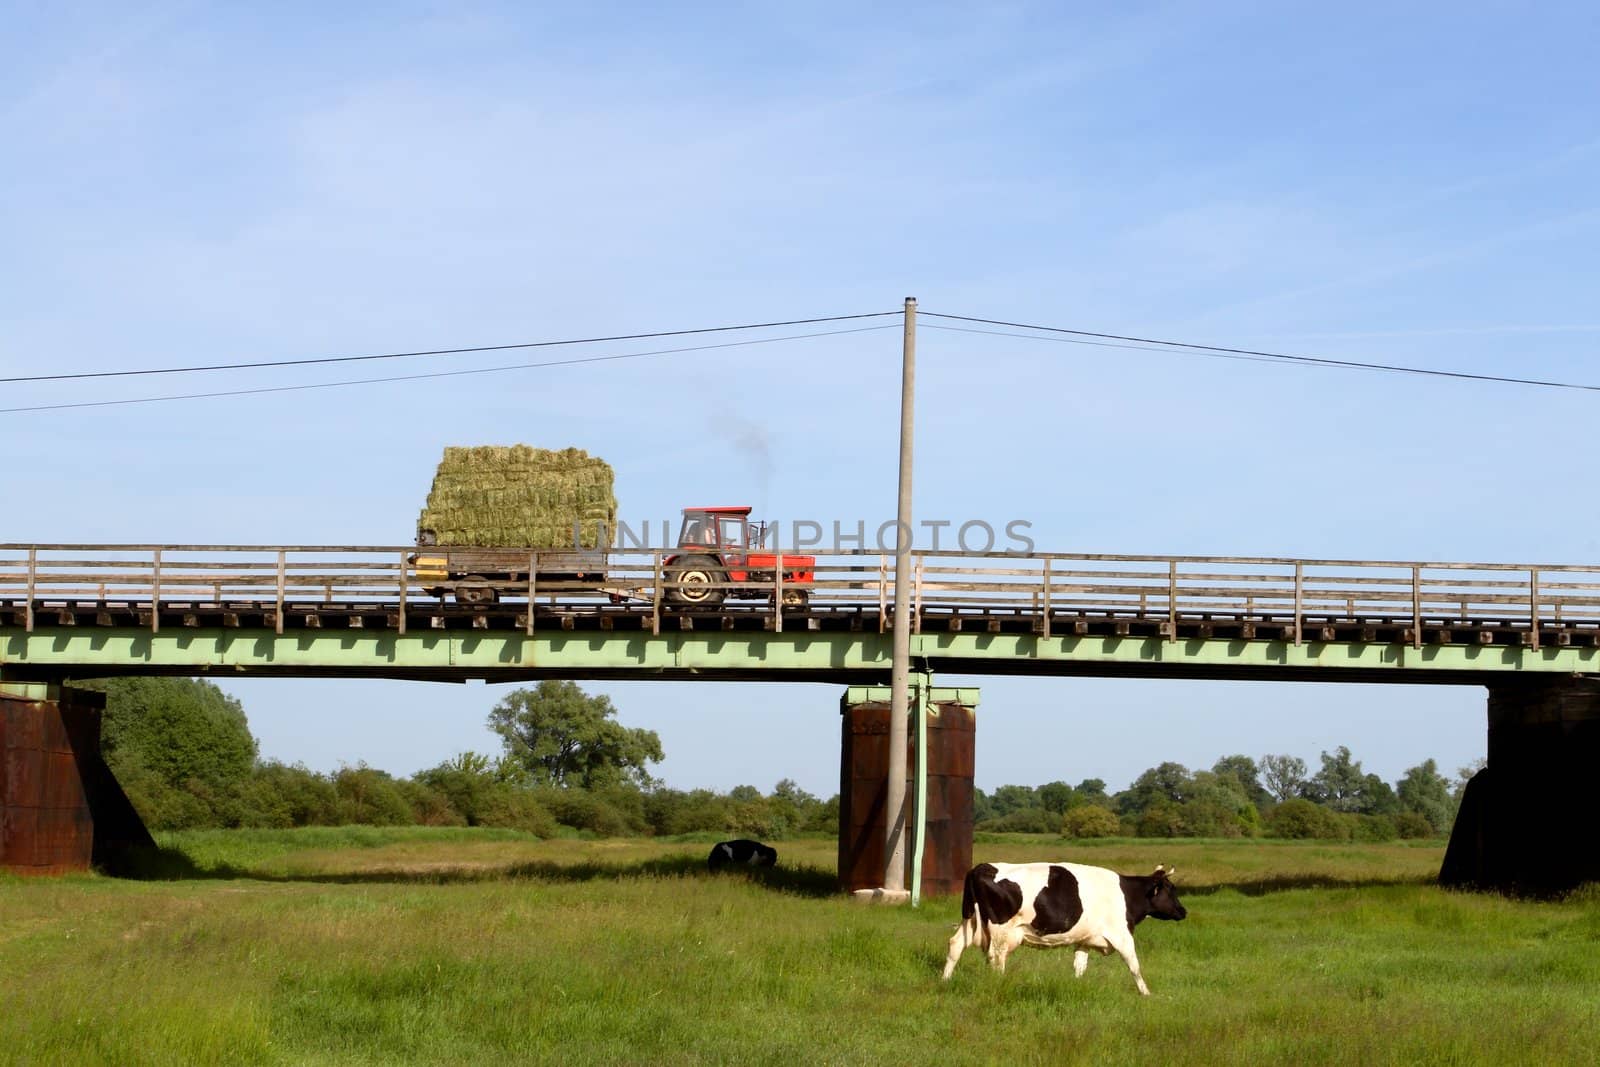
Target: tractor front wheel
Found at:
693, 578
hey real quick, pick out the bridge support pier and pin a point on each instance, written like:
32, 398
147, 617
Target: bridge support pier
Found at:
1530, 820
61, 810
951, 724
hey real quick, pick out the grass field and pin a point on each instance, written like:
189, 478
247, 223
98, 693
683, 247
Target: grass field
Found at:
362, 945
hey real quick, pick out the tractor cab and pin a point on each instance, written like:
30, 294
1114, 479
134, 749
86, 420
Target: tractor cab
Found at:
719, 529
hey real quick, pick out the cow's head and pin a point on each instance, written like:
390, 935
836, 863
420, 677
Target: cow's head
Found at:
1162, 896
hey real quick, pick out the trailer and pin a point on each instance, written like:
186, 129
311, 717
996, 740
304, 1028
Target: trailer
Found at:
718, 550
472, 575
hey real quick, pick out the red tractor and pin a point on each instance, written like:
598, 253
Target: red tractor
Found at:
718, 545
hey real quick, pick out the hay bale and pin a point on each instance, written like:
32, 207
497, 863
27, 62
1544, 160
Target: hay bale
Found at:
519, 496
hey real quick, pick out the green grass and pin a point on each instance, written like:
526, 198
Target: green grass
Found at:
360, 945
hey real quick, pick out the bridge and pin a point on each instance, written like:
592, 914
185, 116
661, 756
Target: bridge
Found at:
1528, 632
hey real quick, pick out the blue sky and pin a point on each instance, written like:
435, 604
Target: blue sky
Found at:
191, 184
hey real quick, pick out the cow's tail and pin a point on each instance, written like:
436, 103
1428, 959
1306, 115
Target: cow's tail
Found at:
972, 917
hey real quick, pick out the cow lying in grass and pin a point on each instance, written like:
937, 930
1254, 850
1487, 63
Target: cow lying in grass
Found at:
741, 853
1004, 905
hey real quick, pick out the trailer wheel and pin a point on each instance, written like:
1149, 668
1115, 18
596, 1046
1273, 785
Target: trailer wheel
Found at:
795, 598
475, 590
693, 575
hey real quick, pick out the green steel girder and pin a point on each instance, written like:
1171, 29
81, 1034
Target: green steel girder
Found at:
967, 696
851, 658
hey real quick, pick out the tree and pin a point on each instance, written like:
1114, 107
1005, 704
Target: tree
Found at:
1168, 783
1010, 798
1342, 786
1463, 776
370, 796
1216, 805
796, 808
1092, 791
1055, 797
281, 795
1426, 792
474, 784
177, 729
1245, 771
1338, 784
788, 790
1283, 776
564, 737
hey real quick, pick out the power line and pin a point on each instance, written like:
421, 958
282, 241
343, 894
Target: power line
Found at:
1067, 340
1219, 352
442, 374
433, 351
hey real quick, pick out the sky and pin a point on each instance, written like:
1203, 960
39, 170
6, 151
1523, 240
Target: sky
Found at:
1419, 184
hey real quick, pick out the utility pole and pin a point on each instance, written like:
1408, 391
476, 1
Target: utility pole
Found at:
894, 873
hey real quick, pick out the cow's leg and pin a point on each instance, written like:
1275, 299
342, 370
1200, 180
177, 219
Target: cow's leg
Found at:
1080, 962
966, 934
1124, 946
1001, 946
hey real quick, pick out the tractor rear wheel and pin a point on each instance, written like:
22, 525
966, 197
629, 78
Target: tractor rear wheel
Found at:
693, 577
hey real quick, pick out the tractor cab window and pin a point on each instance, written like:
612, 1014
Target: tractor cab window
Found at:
698, 529
733, 532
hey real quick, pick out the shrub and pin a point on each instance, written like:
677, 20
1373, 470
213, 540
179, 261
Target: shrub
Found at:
1207, 818
429, 807
369, 797
824, 817
672, 811
1090, 820
583, 810
515, 809
1375, 828
1024, 821
1161, 819
465, 780
1413, 824
279, 795
1298, 818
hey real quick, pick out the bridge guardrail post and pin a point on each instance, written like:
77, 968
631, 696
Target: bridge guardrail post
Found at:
916, 599
278, 602
405, 580
533, 587
1046, 584
1172, 600
1533, 604
655, 597
1299, 600
883, 590
1416, 606
33, 574
155, 593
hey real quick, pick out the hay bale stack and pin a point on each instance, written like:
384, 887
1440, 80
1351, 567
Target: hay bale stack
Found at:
515, 496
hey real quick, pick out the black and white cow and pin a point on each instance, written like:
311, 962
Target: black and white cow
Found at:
740, 853
1004, 905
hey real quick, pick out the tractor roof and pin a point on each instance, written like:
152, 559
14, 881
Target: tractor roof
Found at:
725, 510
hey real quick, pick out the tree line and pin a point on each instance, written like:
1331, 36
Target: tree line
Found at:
1277, 796
183, 752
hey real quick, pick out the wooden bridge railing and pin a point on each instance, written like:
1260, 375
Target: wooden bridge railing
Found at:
1047, 587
